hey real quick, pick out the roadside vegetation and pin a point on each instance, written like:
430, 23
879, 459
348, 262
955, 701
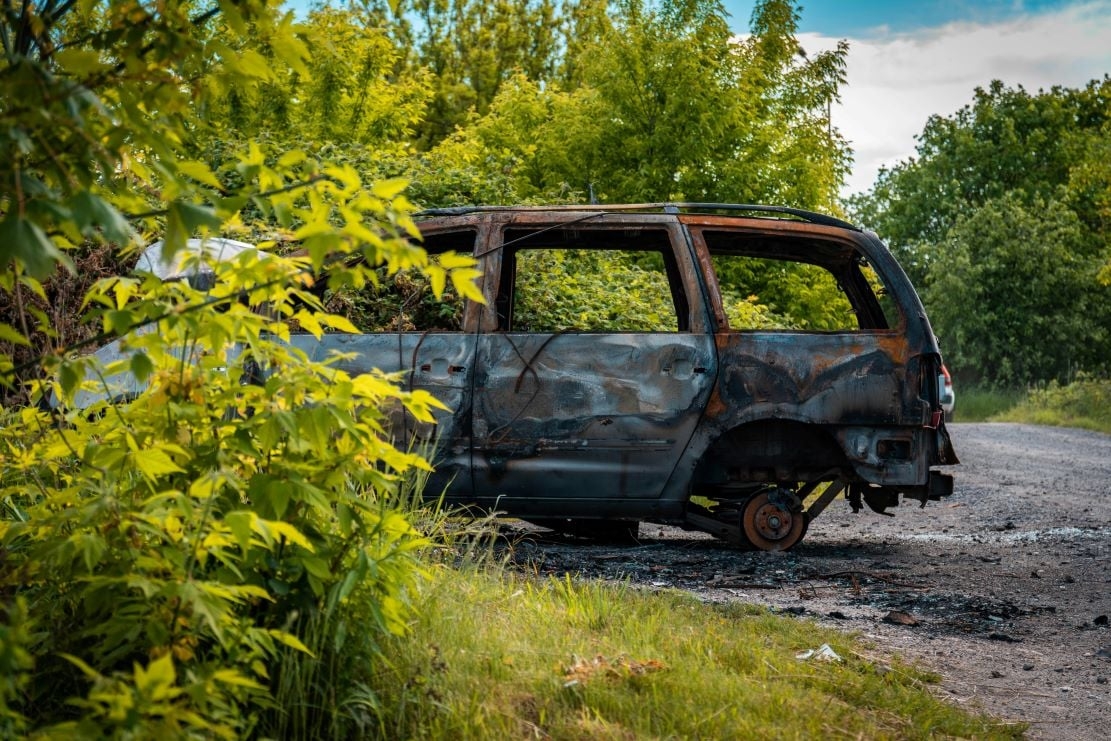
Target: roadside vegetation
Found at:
216, 558
493, 655
984, 404
1084, 403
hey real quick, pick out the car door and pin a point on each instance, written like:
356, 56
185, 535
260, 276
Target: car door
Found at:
593, 382
423, 340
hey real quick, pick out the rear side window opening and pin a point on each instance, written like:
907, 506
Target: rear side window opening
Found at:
790, 284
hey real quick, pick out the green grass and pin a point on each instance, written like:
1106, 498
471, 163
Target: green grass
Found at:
1084, 403
496, 655
981, 405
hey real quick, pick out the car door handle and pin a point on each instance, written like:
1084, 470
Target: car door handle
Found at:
427, 368
683, 369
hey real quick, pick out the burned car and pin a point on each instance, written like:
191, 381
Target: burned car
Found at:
769, 361
744, 424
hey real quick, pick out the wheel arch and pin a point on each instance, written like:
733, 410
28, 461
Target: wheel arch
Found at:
769, 451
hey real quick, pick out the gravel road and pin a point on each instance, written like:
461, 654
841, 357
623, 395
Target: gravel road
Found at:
1004, 588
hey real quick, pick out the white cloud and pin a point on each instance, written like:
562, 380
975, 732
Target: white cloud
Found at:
896, 81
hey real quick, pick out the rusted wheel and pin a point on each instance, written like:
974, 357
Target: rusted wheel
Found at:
768, 522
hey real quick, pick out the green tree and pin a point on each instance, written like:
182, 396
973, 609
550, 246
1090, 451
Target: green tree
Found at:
348, 90
470, 48
784, 147
1006, 141
663, 105
1030, 156
1017, 299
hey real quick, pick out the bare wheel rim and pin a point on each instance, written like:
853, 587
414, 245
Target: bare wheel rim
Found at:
769, 526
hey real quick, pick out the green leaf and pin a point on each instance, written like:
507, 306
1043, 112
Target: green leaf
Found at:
278, 495
253, 64
229, 11
233, 677
183, 220
451, 260
437, 278
87, 670
339, 323
318, 567
199, 171
25, 242
291, 158
287, 531
290, 640
389, 189
464, 280
289, 48
194, 216
141, 366
120, 322
90, 211
79, 61
8, 333
157, 681
69, 377
154, 463
240, 524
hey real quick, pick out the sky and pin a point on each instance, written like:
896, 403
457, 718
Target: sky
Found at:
909, 60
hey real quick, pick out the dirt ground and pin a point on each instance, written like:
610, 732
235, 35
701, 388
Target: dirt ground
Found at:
1004, 588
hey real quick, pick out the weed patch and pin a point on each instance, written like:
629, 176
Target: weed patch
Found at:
1084, 403
493, 655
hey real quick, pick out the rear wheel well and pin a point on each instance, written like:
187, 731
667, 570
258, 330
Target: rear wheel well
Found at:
769, 452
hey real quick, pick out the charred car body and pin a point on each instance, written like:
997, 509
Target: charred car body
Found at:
704, 416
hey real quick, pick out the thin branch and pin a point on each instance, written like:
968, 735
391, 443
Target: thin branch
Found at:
11, 18
23, 28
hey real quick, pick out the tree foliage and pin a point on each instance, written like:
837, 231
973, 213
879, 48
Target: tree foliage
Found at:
347, 91
470, 48
667, 106
1013, 301
1029, 305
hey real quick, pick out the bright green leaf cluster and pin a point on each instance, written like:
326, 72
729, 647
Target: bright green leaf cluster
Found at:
187, 525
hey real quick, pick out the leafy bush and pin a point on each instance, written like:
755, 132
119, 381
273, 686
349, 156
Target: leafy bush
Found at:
184, 531
401, 302
1086, 403
172, 547
983, 403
